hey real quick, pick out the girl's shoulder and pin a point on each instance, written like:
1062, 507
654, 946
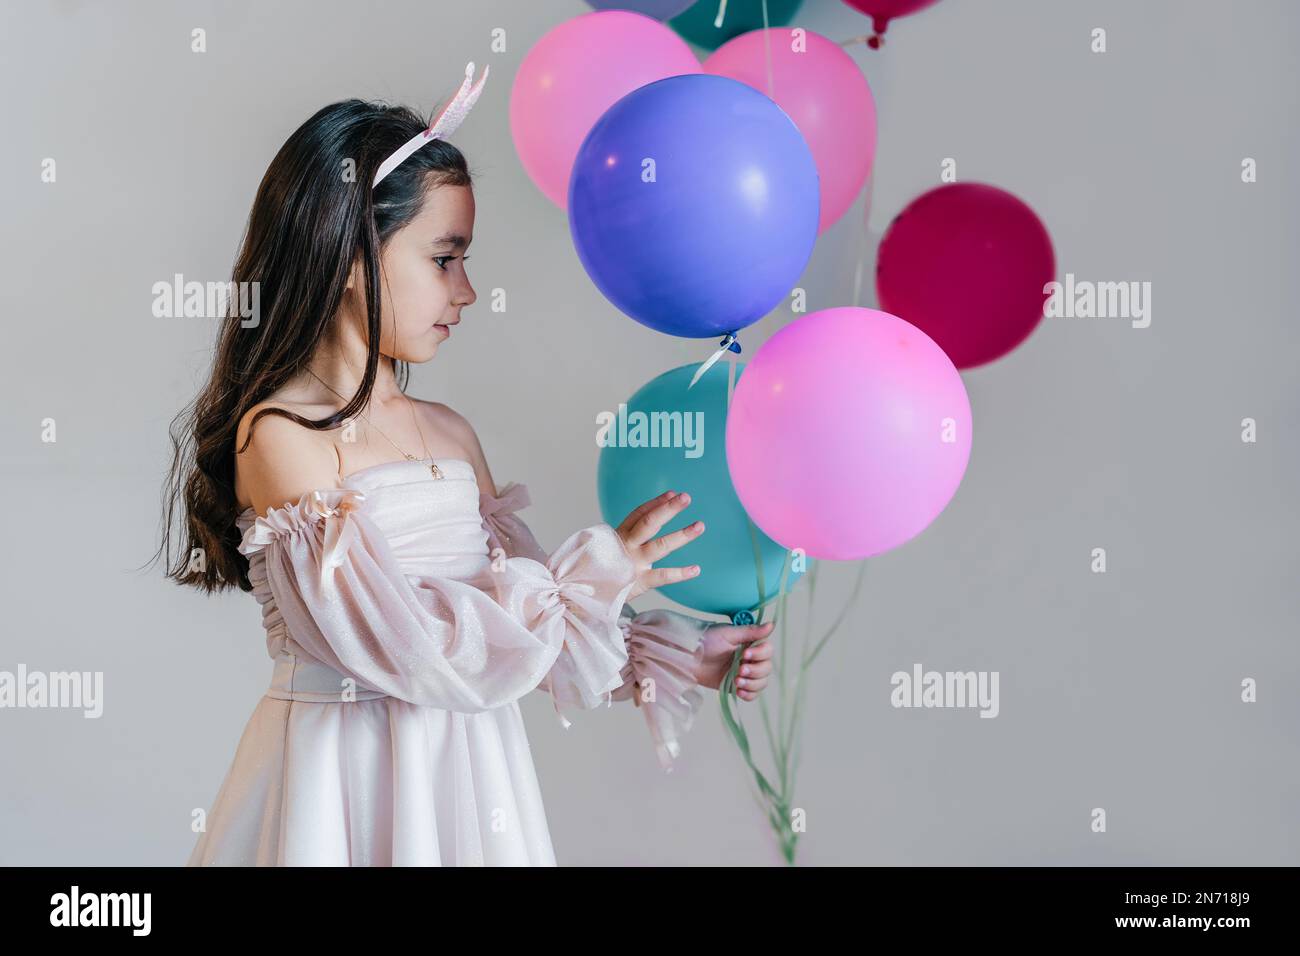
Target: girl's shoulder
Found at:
279, 447
312, 412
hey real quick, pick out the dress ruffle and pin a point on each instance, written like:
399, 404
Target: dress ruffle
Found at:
332, 505
659, 677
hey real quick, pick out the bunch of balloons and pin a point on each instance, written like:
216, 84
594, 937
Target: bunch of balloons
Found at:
695, 194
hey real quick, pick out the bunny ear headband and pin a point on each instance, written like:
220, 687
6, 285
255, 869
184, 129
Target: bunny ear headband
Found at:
443, 125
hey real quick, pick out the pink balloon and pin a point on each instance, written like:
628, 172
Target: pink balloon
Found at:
824, 92
848, 433
967, 263
573, 74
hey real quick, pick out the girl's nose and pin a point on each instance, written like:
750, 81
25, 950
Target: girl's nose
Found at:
466, 295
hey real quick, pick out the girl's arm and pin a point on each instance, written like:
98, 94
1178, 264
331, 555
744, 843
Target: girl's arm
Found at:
461, 645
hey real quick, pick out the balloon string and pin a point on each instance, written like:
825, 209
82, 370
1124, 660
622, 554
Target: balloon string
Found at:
767, 46
729, 343
862, 239
731, 386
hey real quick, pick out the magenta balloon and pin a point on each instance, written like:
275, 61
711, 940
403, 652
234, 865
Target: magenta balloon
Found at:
848, 434
824, 91
886, 10
573, 74
967, 263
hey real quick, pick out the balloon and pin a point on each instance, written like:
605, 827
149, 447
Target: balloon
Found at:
967, 264
849, 433
696, 24
824, 92
573, 74
693, 205
696, 463
659, 9
882, 11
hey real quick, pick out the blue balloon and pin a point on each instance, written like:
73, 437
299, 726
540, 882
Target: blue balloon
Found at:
694, 204
659, 9
690, 455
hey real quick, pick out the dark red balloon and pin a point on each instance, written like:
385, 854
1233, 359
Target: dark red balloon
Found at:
967, 264
882, 11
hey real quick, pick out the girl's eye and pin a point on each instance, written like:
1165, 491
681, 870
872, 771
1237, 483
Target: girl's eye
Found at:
441, 260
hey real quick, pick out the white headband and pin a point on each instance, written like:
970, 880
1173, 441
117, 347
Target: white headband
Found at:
443, 125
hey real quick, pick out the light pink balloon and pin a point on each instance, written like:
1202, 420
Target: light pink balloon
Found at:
824, 92
848, 433
573, 74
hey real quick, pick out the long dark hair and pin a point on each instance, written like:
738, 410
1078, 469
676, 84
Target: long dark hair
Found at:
315, 212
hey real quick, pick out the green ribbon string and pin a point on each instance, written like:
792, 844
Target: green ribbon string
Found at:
776, 800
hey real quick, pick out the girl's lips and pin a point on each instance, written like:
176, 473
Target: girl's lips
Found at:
446, 329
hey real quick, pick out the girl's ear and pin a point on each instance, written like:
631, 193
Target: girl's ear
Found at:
353, 274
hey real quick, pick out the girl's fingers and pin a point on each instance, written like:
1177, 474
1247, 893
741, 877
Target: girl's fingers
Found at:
648, 523
756, 660
668, 543
737, 634
751, 684
642, 508
658, 577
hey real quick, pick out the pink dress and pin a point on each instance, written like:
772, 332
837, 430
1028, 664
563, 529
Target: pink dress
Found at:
406, 615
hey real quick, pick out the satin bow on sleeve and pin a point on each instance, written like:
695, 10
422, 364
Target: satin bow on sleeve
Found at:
513, 498
333, 506
505, 529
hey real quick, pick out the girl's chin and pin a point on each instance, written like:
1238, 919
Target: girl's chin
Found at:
420, 355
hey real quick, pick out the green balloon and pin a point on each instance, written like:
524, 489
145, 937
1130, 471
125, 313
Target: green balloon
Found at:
671, 438
742, 16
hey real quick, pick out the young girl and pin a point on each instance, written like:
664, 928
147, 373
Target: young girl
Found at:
407, 607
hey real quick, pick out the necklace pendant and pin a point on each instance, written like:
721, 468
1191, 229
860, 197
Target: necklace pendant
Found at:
433, 467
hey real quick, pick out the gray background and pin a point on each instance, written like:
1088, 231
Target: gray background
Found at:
1118, 690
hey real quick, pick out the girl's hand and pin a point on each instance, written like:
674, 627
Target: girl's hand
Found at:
718, 646
638, 532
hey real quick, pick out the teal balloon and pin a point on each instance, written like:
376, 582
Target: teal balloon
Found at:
742, 16
670, 438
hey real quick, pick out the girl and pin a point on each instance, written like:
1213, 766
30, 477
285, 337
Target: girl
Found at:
406, 606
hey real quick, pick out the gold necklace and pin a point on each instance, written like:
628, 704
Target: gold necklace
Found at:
433, 465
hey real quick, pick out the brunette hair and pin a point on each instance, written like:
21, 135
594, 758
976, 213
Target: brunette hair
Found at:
314, 214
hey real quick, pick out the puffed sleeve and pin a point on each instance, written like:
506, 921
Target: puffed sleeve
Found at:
460, 645
658, 675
